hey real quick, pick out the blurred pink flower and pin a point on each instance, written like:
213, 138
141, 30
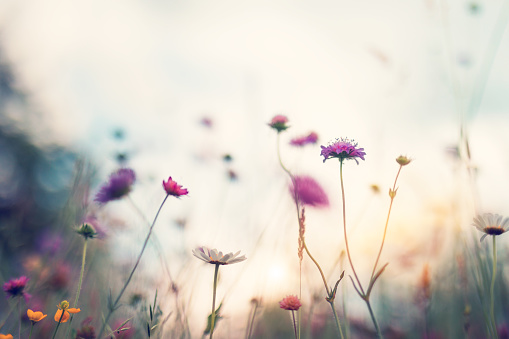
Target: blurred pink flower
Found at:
309, 192
311, 138
279, 123
290, 303
16, 288
118, 185
343, 149
172, 188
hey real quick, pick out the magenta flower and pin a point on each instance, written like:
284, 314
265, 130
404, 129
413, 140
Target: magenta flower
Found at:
16, 288
172, 188
308, 192
290, 303
118, 185
311, 138
279, 123
343, 149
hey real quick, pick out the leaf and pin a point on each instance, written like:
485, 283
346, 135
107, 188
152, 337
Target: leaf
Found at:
209, 320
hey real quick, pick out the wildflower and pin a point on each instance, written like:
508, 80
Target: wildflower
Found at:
64, 307
86, 331
87, 231
6, 336
308, 192
172, 188
35, 316
118, 185
491, 224
403, 160
343, 149
311, 138
290, 303
215, 257
279, 123
16, 288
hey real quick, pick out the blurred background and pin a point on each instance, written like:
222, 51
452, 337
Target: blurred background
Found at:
186, 89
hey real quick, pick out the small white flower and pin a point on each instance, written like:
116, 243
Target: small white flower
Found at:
491, 224
215, 257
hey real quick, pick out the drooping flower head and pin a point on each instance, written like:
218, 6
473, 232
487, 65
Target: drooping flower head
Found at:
35, 316
311, 138
118, 185
343, 149
64, 307
308, 192
215, 257
491, 224
290, 303
279, 123
172, 188
403, 160
16, 288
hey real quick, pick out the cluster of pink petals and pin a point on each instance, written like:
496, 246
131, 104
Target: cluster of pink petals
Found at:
343, 149
172, 188
308, 192
290, 303
16, 288
311, 138
216, 257
279, 123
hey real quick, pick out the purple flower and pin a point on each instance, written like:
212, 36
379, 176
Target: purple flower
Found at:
343, 149
309, 192
16, 288
311, 138
118, 185
279, 123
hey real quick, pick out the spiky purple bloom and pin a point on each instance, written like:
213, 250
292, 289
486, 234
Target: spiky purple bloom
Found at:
16, 288
308, 192
311, 138
343, 148
118, 185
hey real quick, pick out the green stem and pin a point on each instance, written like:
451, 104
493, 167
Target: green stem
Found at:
80, 281
31, 329
294, 324
213, 314
377, 328
114, 305
492, 288
338, 324
19, 308
58, 325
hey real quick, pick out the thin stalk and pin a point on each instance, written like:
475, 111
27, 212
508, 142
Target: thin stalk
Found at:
378, 332
113, 307
80, 281
19, 309
294, 324
338, 325
31, 329
251, 323
58, 325
213, 314
385, 229
492, 288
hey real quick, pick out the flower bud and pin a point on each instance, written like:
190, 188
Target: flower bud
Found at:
403, 160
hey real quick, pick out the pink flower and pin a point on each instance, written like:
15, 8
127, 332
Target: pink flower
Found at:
118, 185
16, 288
290, 303
311, 138
172, 188
343, 149
279, 123
308, 192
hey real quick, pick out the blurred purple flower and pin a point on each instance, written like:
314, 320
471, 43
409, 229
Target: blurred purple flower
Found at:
311, 138
279, 123
50, 243
16, 288
309, 192
118, 185
343, 149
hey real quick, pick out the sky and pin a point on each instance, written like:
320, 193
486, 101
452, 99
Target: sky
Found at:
397, 76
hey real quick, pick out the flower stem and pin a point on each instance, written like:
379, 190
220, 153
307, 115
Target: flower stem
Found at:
377, 328
249, 328
213, 314
338, 324
115, 303
80, 281
294, 324
31, 329
19, 307
58, 325
492, 288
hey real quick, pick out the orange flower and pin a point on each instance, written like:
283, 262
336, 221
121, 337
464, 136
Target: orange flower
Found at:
5, 336
35, 316
64, 307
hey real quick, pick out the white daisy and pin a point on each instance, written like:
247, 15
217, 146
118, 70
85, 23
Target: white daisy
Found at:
215, 257
491, 224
